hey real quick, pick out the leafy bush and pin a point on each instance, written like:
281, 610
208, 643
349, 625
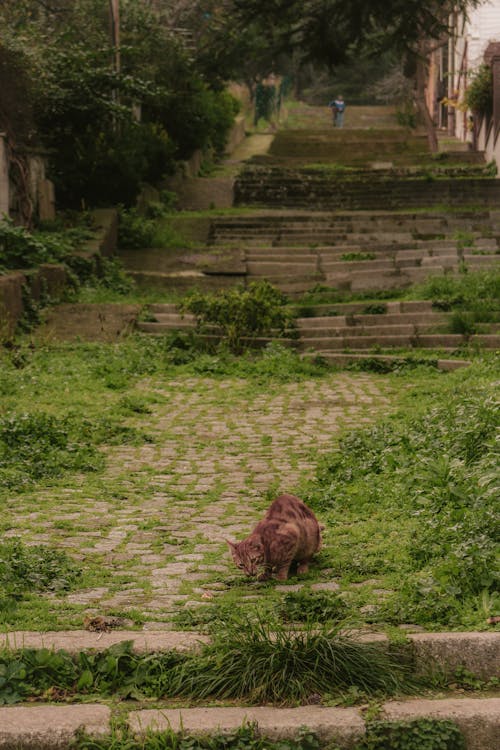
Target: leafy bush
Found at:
118, 670
134, 230
241, 314
479, 92
19, 248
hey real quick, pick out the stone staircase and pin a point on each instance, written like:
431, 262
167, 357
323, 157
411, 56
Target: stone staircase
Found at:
350, 332
359, 251
40, 726
355, 225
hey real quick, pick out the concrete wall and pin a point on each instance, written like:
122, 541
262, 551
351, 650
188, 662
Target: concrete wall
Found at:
466, 56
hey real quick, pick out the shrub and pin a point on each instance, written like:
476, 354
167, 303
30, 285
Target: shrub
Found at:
241, 314
479, 92
134, 230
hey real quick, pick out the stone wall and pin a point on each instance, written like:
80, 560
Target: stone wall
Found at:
50, 278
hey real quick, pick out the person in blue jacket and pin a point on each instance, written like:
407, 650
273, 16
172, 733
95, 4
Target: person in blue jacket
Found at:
338, 109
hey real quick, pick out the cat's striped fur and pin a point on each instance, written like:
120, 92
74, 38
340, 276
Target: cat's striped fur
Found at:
289, 531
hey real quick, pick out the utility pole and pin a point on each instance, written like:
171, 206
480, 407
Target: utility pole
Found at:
114, 17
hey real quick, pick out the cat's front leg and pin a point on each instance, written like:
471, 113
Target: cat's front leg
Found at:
303, 567
282, 571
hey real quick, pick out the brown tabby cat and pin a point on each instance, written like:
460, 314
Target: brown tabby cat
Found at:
289, 531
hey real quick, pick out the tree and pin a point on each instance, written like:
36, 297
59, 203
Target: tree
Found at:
82, 104
329, 31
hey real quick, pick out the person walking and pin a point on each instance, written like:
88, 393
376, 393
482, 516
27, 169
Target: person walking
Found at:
338, 109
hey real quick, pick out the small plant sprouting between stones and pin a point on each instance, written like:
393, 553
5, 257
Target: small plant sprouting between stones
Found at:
242, 314
314, 606
358, 256
247, 737
418, 734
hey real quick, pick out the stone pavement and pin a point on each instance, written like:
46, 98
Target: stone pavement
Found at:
157, 519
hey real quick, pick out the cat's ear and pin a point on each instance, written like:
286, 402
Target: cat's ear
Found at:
231, 545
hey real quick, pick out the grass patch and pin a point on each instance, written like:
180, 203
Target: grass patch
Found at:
434, 475
262, 661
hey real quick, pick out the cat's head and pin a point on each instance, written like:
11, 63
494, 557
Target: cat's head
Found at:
248, 555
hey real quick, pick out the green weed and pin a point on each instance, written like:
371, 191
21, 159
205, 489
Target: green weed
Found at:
258, 660
418, 734
245, 738
315, 606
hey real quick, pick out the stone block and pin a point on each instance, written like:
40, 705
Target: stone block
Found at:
11, 302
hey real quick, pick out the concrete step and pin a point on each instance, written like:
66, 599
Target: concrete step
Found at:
402, 341
39, 726
367, 320
332, 330
183, 281
343, 359
270, 269
43, 726
331, 267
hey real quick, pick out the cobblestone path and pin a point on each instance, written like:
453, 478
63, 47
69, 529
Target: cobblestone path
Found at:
221, 450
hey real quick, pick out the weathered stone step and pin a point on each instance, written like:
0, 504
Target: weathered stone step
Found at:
478, 719
333, 331
385, 319
343, 359
322, 193
43, 726
184, 281
272, 269
421, 341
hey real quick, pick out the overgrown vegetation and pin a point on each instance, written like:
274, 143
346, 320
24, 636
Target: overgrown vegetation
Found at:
438, 472
245, 738
472, 298
112, 121
417, 734
248, 660
241, 315
36, 568
21, 249
40, 446
479, 92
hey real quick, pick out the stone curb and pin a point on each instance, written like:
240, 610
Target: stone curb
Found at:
49, 727
477, 652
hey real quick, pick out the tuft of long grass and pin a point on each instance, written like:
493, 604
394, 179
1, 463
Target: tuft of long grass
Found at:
259, 661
